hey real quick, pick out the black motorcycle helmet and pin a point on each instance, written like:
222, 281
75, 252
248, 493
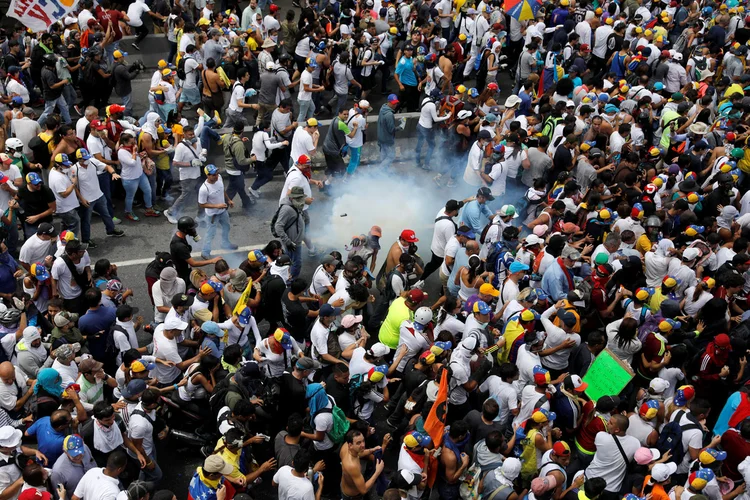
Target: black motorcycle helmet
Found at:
187, 225
49, 59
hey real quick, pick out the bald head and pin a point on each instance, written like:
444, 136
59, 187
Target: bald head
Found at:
472, 247
7, 373
619, 424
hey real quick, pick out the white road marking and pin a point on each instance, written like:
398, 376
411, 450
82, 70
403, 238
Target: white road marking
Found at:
140, 262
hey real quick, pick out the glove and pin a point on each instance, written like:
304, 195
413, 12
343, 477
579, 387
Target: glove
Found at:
130, 120
196, 163
250, 92
419, 284
380, 63
169, 149
202, 158
291, 246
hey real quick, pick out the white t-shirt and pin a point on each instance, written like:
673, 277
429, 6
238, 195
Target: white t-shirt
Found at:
324, 423
358, 365
292, 487
160, 300
184, 153
503, 393
12, 174
414, 341
608, 461
66, 286
135, 11
691, 438
320, 282
305, 78
140, 428
88, 182
451, 250
319, 339
59, 183
302, 144
95, 485
212, 194
499, 174
35, 249
529, 400
81, 125
166, 350
358, 140
68, 373
9, 393
295, 178
444, 229
238, 95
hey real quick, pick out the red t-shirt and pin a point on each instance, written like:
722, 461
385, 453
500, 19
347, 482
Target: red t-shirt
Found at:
587, 433
113, 16
653, 350
737, 449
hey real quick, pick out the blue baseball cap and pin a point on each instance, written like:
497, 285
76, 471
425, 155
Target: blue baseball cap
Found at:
211, 328
469, 234
256, 256
516, 267
83, 154
134, 388
34, 178
73, 445
245, 316
658, 86
481, 307
18, 100
211, 169
62, 159
393, 98
327, 310
473, 92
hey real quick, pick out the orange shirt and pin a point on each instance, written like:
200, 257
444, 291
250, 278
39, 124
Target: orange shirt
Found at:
657, 492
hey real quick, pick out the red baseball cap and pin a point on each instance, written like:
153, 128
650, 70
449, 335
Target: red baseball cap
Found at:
584, 48
409, 236
34, 494
273, 8
303, 160
665, 53
97, 125
417, 296
561, 449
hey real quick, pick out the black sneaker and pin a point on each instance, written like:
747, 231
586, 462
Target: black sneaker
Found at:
136, 47
117, 233
91, 244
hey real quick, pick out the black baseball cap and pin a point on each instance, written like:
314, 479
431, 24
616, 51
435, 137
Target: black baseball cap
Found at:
485, 191
74, 246
182, 299
452, 205
45, 228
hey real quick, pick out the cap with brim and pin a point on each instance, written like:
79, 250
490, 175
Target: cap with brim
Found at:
215, 464
10, 437
305, 364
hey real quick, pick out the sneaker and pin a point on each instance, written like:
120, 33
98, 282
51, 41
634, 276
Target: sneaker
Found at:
423, 167
312, 252
91, 244
136, 47
255, 194
231, 246
451, 184
168, 198
132, 217
217, 117
436, 180
116, 221
170, 217
78, 110
205, 256
116, 233
150, 212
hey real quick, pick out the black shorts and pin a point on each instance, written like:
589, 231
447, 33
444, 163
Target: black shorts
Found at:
334, 164
368, 82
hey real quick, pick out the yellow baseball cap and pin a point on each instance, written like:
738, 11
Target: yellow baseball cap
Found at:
162, 64
393, 30
461, 89
312, 122
648, 33
609, 20
117, 54
659, 39
639, 30
462, 37
564, 3
584, 147
598, 11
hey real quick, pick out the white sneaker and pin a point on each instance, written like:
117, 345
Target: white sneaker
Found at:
169, 217
255, 194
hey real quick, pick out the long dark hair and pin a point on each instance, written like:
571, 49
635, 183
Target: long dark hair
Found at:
447, 308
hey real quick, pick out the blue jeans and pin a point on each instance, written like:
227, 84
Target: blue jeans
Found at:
163, 182
152, 476
337, 102
209, 135
387, 155
127, 101
306, 110
49, 107
214, 221
264, 175
425, 135
172, 52
100, 206
71, 221
354, 156
109, 53
296, 257
131, 186
105, 184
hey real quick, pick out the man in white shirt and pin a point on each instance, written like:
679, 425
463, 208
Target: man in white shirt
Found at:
609, 463
38, 246
293, 483
89, 114
501, 389
428, 117
189, 157
305, 140
319, 335
214, 200
102, 483
25, 128
358, 117
445, 228
141, 433
599, 51
190, 93
63, 283
15, 389
557, 362
91, 197
64, 189
306, 90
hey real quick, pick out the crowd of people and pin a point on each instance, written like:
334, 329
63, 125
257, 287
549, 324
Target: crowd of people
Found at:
609, 219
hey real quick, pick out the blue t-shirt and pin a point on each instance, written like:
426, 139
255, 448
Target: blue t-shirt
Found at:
97, 326
8, 266
405, 71
50, 441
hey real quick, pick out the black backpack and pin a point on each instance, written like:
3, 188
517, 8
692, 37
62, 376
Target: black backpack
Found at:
181, 68
275, 218
40, 148
670, 437
217, 401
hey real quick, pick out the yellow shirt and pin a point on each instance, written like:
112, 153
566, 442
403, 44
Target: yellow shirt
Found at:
643, 244
391, 327
230, 458
656, 299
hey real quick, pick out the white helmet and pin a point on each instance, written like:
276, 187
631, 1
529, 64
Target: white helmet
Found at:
14, 144
423, 315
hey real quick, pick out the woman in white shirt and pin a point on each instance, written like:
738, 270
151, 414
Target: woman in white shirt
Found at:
133, 175
200, 381
697, 296
622, 338
448, 321
274, 353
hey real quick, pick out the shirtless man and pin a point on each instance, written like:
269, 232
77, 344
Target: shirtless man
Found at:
406, 238
446, 66
353, 485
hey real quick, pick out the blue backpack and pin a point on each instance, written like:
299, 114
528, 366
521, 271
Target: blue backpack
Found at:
670, 437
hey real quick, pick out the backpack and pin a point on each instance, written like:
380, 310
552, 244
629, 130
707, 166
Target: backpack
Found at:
498, 260
340, 423
670, 437
219, 396
181, 68
276, 217
40, 148
701, 64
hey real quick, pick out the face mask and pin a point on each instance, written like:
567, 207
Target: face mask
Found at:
193, 140
223, 277
483, 325
17, 155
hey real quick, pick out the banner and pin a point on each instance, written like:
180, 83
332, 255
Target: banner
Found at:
607, 376
435, 425
39, 15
